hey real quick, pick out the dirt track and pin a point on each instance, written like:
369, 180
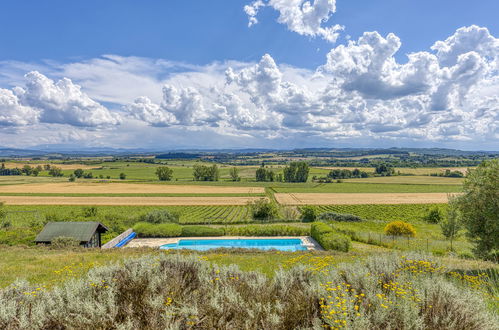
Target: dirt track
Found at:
44, 200
360, 198
125, 188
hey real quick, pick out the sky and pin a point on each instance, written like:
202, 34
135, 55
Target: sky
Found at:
282, 74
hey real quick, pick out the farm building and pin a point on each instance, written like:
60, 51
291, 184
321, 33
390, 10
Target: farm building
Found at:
88, 233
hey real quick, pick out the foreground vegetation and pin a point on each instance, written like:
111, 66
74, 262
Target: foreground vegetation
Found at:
174, 291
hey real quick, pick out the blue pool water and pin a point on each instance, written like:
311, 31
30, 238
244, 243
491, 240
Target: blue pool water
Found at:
284, 244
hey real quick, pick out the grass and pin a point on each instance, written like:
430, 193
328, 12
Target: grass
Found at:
45, 266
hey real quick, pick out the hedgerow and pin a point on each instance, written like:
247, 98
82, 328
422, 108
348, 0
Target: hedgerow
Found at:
144, 229
200, 231
329, 238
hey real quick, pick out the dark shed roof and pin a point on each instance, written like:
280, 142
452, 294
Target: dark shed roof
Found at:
82, 231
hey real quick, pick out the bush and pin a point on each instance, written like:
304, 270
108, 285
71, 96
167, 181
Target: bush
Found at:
175, 291
400, 228
160, 216
333, 216
329, 238
267, 230
144, 229
308, 214
434, 216
263, 209
201, 231
64, 242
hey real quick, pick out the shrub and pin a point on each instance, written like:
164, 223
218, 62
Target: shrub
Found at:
200, 231
182, 292
333, 216
308, 214
144, 229
434, 216
267, 230
263, 209
64, 242
400, 228
329, 238
160, 216
122, 176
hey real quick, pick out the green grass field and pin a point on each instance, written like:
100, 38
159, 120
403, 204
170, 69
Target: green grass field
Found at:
44, 266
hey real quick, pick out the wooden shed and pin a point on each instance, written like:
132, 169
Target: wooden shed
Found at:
87, 232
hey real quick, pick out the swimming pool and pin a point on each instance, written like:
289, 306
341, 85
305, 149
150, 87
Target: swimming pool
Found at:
282, 244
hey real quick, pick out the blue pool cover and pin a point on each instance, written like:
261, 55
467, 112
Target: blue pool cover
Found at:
284, 244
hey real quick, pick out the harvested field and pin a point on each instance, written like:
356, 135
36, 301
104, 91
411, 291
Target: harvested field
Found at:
360, 198
45, 200
421, 179
125, 188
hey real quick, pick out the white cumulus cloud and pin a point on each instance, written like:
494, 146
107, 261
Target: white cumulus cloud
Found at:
303, 17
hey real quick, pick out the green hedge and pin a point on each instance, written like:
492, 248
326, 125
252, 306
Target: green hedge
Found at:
329, 238
200, 231
144, 229
267, 230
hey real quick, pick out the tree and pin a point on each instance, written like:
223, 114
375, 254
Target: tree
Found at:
296, 172
164, 173
78, 173
27, 170
308, 214
234, 174
72, 178
384, 169
122, 176
205, 173
36, 171
451, 225
263, 209
55, 171
479, 208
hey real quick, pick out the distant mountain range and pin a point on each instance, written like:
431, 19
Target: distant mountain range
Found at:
57, 151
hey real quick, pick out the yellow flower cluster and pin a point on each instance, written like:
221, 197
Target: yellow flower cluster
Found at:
102, 285
341, 305
317, 264
418, 266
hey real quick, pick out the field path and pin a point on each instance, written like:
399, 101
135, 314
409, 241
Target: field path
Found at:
360, 198
125, 188
48, 200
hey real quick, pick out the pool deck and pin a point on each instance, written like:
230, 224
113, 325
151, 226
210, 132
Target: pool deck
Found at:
307, 241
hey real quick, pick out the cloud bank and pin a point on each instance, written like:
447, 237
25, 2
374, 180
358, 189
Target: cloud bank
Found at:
448, 94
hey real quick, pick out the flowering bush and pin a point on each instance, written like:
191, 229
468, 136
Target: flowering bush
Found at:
400, 228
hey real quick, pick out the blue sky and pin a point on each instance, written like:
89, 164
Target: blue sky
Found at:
286, 80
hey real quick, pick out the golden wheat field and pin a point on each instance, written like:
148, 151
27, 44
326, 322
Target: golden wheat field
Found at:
144, 201
124, 188
359, 198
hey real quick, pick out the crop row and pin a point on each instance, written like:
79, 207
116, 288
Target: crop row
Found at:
389, 212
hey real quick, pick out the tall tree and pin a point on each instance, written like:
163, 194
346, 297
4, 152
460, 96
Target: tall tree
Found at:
164, 173
451, 225
234, 174
479, 208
